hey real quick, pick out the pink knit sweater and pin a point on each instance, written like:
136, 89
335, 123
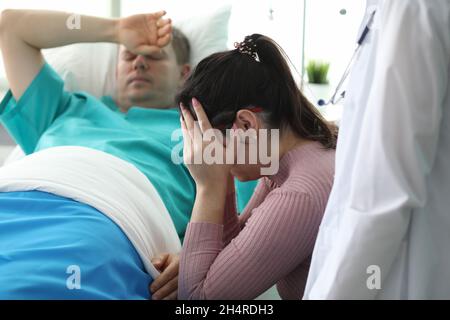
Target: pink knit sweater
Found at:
270, 243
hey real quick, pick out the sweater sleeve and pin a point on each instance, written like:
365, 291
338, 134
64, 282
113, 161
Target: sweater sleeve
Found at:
278, 236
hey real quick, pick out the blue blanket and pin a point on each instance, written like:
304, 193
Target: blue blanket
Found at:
56, 248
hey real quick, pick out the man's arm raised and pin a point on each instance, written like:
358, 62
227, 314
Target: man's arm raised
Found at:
23, 33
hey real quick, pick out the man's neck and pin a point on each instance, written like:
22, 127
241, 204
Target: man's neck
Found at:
124, 106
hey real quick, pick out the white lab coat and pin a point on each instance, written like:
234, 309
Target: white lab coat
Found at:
389, 209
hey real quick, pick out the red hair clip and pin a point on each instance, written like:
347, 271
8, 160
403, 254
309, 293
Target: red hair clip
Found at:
256, 109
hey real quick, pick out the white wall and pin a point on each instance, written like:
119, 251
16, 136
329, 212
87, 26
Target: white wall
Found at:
331, 36
280, 20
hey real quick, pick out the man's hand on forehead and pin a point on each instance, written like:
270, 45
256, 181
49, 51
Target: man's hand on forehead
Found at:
145, 34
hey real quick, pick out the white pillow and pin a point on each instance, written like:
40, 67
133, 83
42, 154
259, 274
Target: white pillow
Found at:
207, 32
91, 67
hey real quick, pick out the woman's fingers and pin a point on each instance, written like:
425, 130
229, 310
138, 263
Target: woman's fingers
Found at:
188, 120
172, 296
160, 261
187, 117
184, 130
184, 122
167, 281
203, 120
183, 125
195, 131
168, 290
168, 274
187, 143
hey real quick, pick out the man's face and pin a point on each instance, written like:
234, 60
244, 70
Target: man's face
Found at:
149, 81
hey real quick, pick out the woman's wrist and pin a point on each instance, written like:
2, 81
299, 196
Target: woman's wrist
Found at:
215, 189
209, 205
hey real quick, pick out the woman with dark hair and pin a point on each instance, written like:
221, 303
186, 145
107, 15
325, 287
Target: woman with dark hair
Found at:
227, 256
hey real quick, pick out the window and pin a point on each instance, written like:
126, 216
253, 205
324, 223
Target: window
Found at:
331, 28
331, 31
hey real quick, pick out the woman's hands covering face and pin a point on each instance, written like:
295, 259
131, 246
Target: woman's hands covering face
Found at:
204, 152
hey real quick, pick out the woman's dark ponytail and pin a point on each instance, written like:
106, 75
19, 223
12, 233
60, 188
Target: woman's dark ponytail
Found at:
293, 109
256, 73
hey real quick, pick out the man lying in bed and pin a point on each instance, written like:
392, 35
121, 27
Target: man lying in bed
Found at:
52, 246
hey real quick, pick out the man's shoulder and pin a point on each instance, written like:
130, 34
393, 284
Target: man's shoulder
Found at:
109, 102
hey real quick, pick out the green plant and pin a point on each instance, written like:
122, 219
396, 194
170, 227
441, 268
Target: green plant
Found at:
317, 72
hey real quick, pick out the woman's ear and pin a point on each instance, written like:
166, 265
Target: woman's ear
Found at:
246, 119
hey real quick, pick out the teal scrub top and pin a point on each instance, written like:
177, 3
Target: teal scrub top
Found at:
244, 192
48, 116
